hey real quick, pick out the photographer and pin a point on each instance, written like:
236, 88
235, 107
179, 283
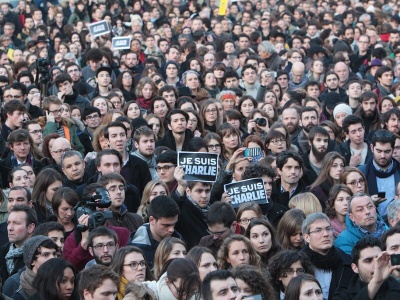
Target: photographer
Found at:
76, 245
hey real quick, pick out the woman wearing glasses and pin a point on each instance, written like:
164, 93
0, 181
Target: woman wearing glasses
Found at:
247, 212
195, 123
275, 142
354, 179
209, 115
286, 265
130, 265
214, 142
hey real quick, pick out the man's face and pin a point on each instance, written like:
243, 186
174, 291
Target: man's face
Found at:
393, 124
309, 120
16, 94
366, 263
173, 54
319, 146
45, 254
369, 107
356, 133
163, 46
25, 80
55, 110
66, 87
94, 65
200, 193
396, 151
109, 164
386, 79
290, 119
250, 76
332, 82
103, 79
16, 198
343, 71
57, 237
146, 145
74, 168
37, 15
116, 190
313, 91
382, 154
107, 291
268, 185
36, 133
283, 81
131, 60
93, 120
363, 212
21, 149
320, 236
354, 90
170, 97
58, 148
209, 61
171, 71
363, 43
394, 38
220, 232
18, 230
178, 124
231, 82
163, 227
290, 172
103, 249
117, 138
244, 42
165, 172
224, 289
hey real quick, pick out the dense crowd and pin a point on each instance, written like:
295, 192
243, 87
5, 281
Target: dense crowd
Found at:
94, 203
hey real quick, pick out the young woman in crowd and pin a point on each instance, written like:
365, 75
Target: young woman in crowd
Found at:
337, 207
304, 286
209, 115
152, 189
246, 105
275, 142
289, 229
63, 203
156, 124
214, 142
169, 248
145, 91
195, 123
132, 110
210, 84
204, 260
354, 179
159, 106
102, 104
248, 212
230, 141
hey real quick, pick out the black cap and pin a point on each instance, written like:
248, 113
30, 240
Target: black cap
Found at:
101, 69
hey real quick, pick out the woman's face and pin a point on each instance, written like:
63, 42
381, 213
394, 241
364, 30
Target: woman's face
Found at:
178, 251
277, 145
310, 290
240, 167
67, 284
155, 125
386, 105
296, 239
73, 49
44, 53
234, 122
214, 147
269, 110
211, 113
336, 168
246, 107
192, 122
276, 90
187, 105
194, 65
207, 265
192, 81
20, 178
157, 191
285, 98
230, 141
355, 182
138, 274
340, 205
31, 176
65, 213
219, 73
339, 118
102, 105
104, 143
63, 50
51, 189
260, 238
127, 79
133, 111
318, 67
296, 266
66, 113
210, 80
246, 217
238, 254
243, 287
160, 108
270, 98
147, 91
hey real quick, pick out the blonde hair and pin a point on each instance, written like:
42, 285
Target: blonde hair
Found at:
162, 253
142, 210
307, 202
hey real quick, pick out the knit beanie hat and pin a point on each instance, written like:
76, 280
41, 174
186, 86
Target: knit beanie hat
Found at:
331, 99
30, 248
342, 108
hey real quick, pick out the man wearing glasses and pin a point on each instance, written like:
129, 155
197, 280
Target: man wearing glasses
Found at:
102, 245
35, 131
92, 120
166, 165
332, 265
116, 186
18, 91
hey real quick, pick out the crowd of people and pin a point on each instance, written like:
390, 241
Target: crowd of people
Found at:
305, 95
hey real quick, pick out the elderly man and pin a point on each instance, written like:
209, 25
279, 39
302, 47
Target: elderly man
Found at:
361, 221
268, 53
343, 72
298, 78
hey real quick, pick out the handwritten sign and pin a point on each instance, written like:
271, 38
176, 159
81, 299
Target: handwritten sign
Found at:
250, 190
99, 28
199, 166
120, 43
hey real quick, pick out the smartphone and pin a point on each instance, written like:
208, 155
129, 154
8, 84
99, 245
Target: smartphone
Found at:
252, 152
381, 194
395, 259
254, 297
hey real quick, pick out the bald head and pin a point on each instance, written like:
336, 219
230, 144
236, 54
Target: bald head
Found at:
60, 145
297, 71
342, 70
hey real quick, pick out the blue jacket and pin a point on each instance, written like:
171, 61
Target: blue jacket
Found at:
349, 237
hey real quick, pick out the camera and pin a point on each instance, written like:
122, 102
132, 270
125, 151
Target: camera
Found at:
88, 205
261, 121
43, 65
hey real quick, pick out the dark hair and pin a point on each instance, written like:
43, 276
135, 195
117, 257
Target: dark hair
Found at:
10, 176
391, 231
257, 171
30, 214
49, 276
381, 70
13, 105
253, 277
113, 124
294, 287
386, 116
317, 130
45, 228
351, 120
20, 188
101, 231
196, 253
215, 275
167, 120
163, 207
365, 96
284, 156
104, 152
365, 242
168, 156
64, 193
61, 78
383, 137
333, 193
221, 213
92, 278
290, 224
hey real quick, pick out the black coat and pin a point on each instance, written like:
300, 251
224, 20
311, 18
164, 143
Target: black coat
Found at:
169, 141
344, 150
18, 263
284, 198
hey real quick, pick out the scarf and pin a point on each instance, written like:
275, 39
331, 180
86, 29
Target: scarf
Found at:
151, 163
121, 289
163, 290
26, 282
372, 173
12, 254
203, 211
143, 103
379, 231
326, 262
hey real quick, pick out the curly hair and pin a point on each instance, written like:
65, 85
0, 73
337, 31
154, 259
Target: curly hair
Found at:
253, 277
223, 252
283, 260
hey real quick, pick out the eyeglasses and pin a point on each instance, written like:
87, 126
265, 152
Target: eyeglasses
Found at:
164, 168
61, 151
215, 146
219, 233
277, 142
126, 77
134, 265
92, 117
115, 187
57, 111
211, 110
36, 132
355, 183
290, 271
100, 246
319, 231
245, 221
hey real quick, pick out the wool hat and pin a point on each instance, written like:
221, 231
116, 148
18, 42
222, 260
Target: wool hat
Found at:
30, 248
331, 99
342, 108
104, 68
138, 122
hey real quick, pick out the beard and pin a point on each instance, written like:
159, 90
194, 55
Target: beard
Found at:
292, 128
369, 113
318, 154
308, 127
